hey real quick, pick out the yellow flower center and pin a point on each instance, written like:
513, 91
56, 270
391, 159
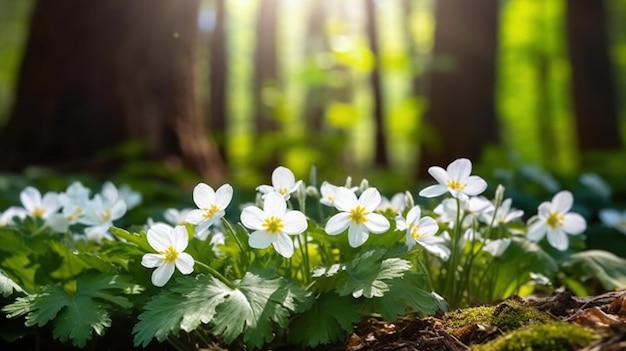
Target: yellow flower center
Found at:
273, 225
106, 215
211, 211
414, 231
455, 185
283, 191
170, 254
555, 219
357, 215
74, 215
38, 212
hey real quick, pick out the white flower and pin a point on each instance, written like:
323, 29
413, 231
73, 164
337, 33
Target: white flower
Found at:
471, 208
504, 214
497, 247
7, 216
175, 216
131, 197
74, 200
613, 218
103, 209
211, 207
396, 204
273, 224
555, 219
357, 215
169, 243
283, 183
422, 231
38, 206
328, 194
456, 179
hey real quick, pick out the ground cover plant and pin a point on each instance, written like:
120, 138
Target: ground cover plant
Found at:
297, 264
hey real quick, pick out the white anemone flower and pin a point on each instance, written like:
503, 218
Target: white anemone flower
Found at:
283, 182
37, 205
7, 216
175, 216
169, 243
455, 179
497, 247
422, 230
396, 205
328, 191
211, 207
504, 214
273, 224
555, 219
357, 215
613, 218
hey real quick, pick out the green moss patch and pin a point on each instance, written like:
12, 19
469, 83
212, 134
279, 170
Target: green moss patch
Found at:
553, 336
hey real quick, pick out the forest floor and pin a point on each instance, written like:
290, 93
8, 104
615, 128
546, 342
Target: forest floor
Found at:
604, 315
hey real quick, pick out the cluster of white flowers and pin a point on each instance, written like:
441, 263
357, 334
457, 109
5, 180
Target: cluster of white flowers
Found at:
360, 211
75, 210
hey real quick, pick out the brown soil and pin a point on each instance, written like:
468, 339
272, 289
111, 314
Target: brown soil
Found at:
605, 314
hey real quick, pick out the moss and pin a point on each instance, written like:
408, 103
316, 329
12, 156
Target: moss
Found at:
508, 315
553, 336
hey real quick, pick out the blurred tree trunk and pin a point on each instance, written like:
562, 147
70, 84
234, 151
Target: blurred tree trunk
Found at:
265, 63
97, 74
461, 114
380, 155
315, 46
265, 85
593, 87
218, 80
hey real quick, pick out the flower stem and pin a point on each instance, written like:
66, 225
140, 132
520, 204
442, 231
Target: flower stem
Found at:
233, 233
217, 275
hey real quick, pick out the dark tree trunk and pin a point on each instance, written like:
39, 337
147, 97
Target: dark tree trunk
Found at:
460, 118
218, 80
100, 73
380, 156
593, 87
265, 63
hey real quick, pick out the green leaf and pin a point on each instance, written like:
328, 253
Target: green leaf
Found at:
249, 309
368, 274
8, 286
609, 269
406, 294
75, 316
328, 320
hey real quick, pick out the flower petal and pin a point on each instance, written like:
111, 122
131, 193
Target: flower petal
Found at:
203, 195
159, 236
428, 226
295, 222
252, 217
558, 239
151, 260
274, 204
195, 216
563, 201
180, 238
338, 223
282, 177
536, 231
475, 185
283, 245
345, 200
357, 235
433, 190
413, 215
439, 174
574, 224
162, 274
30, 198
376, 223
459, 169
184, 263
261, 239
370, 199
223, 196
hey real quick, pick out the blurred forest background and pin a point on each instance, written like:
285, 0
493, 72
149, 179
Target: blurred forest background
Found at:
228, 89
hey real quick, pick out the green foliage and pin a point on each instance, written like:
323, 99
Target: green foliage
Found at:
554, 336
608, 269
249, 310
75, 314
